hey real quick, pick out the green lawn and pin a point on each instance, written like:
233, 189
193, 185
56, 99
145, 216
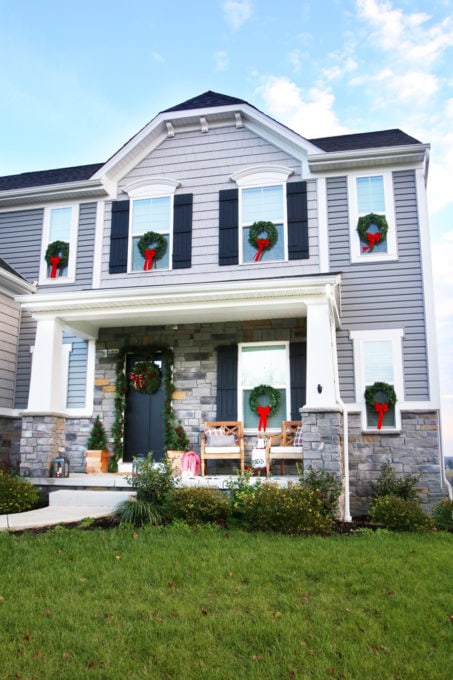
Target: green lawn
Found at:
192, 604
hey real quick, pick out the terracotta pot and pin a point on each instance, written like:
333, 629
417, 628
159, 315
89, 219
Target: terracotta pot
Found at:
97, 461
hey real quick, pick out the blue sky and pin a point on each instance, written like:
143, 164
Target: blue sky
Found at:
78, 79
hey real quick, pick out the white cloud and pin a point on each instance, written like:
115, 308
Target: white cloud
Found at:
411, 87
221, 60
406, 35
310, 114
237, 12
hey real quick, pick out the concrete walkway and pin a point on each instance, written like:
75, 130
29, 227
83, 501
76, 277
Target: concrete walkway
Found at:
65, 507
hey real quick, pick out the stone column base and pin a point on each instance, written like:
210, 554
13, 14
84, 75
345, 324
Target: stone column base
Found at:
43, 438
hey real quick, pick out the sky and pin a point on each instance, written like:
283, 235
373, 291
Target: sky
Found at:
78, 79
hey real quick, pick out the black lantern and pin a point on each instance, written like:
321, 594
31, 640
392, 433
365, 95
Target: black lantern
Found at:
137, 464
60, 467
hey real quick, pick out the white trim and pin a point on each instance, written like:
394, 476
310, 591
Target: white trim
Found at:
261, 175
428, 290
66, 351
323, 226
44, 280
395, 336
152, 187
356, 255
98, 243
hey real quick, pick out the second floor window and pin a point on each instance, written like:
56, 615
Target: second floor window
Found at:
151, 221
59, 244
263, 205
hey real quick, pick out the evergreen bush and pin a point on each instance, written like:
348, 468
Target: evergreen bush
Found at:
399, 514
97, 441
199, 505
16, 494
389, 485
443, 515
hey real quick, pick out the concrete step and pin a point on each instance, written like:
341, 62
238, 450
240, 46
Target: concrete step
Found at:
87, 499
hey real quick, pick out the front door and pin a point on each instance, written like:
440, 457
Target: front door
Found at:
144, 417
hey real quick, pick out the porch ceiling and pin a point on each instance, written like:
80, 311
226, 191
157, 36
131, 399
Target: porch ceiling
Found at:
89, 311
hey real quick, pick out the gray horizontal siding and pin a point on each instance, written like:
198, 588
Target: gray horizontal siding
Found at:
9, 333
26, 341
20, 241
77, 372
379, 295
203, 163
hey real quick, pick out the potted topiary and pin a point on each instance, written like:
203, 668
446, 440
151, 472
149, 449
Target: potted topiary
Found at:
97, 455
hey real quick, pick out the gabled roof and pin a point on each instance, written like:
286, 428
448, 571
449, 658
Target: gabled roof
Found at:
4, 265
206, 100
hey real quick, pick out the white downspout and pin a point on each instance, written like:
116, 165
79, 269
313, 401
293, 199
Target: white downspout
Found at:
344, 410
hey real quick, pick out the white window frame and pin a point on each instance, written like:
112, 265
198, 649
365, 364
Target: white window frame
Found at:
240, 388
359, 338
355, 244
44, 279
257, 178
157, 187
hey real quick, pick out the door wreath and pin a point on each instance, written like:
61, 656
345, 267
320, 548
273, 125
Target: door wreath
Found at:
273, 403
381, 407
57, 256
262, 244
152, 247
372, 238
145, 377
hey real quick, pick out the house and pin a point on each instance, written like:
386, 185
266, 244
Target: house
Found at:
214, 252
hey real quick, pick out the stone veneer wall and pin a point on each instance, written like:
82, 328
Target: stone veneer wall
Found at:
10, 433
413, 451
43, 438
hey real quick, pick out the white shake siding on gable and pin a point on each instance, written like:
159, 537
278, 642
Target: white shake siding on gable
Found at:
381, 295
9, 327
203, 164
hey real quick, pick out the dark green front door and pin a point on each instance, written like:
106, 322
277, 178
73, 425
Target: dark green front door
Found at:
144, 423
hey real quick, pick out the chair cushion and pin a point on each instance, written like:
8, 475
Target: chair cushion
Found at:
222, 449
298, 437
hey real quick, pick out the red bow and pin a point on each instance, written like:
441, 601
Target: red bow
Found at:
54, 261
373, 239
263, 412
137, 380
148, 263
380, 410
262, 243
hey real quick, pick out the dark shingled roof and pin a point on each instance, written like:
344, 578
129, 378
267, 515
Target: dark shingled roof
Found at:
206, 100
364, 140
44, 177
209, 99
4, 265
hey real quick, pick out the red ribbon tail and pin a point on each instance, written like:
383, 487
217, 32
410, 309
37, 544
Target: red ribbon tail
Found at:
263, 412
261, 243
380, 409
148, 263
54, 261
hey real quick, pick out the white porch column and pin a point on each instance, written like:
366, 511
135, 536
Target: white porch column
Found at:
321, 372
46, 385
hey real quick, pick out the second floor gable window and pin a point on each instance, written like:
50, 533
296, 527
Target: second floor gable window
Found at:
59, 244
263, 208
151, 231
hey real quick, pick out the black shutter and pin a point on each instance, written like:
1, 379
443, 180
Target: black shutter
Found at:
182, 231
296, 201
119, 237
298, 377
228, 227
227, 376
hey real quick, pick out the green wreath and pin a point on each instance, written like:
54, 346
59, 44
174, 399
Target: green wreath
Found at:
58, 249
271, 239
365, 236
152, 238
145, 377
383, 388
273, 398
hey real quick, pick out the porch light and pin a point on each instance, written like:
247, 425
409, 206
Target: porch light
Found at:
60, 467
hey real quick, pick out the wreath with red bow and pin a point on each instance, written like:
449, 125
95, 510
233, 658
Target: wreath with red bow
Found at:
372, 238
273, 403
152, 247
145, 377
256, 239
57, 256
380, 396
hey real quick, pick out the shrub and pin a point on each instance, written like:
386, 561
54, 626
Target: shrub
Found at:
328, 484
443, 515
198, 505
139, 512
388, 484
97, 441
153, 481
240, 489
399, 514
294, 510
16, 494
